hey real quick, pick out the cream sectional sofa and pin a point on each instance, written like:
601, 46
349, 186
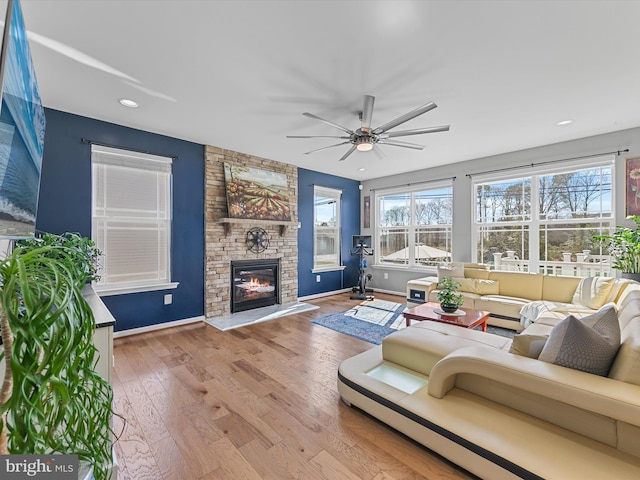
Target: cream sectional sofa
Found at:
504, 294
500, 415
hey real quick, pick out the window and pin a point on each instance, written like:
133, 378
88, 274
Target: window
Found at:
326, 231
414, 227
131, 219
545, 222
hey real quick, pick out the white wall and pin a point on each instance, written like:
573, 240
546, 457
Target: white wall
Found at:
462, 195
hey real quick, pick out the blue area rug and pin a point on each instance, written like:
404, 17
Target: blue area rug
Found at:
390, 318
378, 319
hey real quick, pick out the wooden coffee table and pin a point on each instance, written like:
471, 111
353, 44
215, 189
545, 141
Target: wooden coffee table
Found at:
426, 311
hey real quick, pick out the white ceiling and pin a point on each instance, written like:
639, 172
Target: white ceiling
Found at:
239, 74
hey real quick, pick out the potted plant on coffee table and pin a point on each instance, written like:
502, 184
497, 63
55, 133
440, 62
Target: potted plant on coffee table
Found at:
448, 296
624, 247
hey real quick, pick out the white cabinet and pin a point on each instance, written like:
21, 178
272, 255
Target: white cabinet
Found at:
103, 336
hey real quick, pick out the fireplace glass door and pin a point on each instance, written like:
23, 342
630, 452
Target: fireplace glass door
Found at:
254, 284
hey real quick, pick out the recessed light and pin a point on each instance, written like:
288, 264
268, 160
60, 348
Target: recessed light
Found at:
361, 169
565, 122
125, 102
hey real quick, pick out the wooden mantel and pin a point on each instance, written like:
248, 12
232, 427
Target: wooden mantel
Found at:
249, 222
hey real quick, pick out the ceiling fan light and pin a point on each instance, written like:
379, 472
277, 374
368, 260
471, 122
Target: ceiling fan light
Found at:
364, 146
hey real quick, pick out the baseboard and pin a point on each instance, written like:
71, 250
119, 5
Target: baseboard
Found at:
158, 326
390, 292
345, 290
323, 294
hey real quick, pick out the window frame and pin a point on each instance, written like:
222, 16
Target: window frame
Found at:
131, 159
535, 225
335, 194
413, 227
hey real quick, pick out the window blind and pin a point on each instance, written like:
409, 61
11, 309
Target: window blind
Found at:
131, 220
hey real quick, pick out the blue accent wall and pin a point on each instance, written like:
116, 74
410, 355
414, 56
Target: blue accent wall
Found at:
350, 220
65, 206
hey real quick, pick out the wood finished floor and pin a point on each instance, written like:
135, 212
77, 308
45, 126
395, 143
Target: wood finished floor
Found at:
258, 402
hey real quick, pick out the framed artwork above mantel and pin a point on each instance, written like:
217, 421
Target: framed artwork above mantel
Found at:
253, 193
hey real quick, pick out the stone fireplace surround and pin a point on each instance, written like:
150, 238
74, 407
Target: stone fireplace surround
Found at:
226, 241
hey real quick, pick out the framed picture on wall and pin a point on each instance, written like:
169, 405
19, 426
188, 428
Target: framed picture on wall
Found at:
256, 194
367, 212
632, 186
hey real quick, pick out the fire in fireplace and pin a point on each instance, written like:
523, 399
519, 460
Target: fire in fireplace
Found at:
254, 284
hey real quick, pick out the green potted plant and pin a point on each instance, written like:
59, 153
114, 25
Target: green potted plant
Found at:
52, 400
448, 296
624, 247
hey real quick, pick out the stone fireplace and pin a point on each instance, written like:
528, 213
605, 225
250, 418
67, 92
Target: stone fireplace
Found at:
254, 284
226, 238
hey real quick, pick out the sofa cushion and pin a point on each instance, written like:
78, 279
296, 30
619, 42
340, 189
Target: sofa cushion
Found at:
626, 366
558, 288
619, 284
478, 285
519, 284
420, 346
593, 292
500, 305
450, 270
528, 345
475, 266
476, 273
539, 329
589, 344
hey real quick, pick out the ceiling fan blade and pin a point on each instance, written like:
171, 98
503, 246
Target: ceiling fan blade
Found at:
367, 112
397, 143
316, 136
351, 150
378, 151
324, 148
335, 125
417, 131
406, 117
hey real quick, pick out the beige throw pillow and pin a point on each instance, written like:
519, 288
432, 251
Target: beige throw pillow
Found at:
593, 292
450, 270
589, 344
528, 345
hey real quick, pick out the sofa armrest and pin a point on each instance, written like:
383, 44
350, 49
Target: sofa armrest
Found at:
601, 395
418, 289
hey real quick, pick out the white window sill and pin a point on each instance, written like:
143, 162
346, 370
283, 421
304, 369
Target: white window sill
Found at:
405, 268
115, 290
334, 268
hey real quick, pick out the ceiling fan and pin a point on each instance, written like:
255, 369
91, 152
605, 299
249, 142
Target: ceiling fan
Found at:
366, 138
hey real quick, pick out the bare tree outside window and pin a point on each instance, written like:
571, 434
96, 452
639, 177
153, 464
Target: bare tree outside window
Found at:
572, 206
415, 227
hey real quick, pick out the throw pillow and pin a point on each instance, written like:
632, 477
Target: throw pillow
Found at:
528, 345
589, 344
450, 270
593, 292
